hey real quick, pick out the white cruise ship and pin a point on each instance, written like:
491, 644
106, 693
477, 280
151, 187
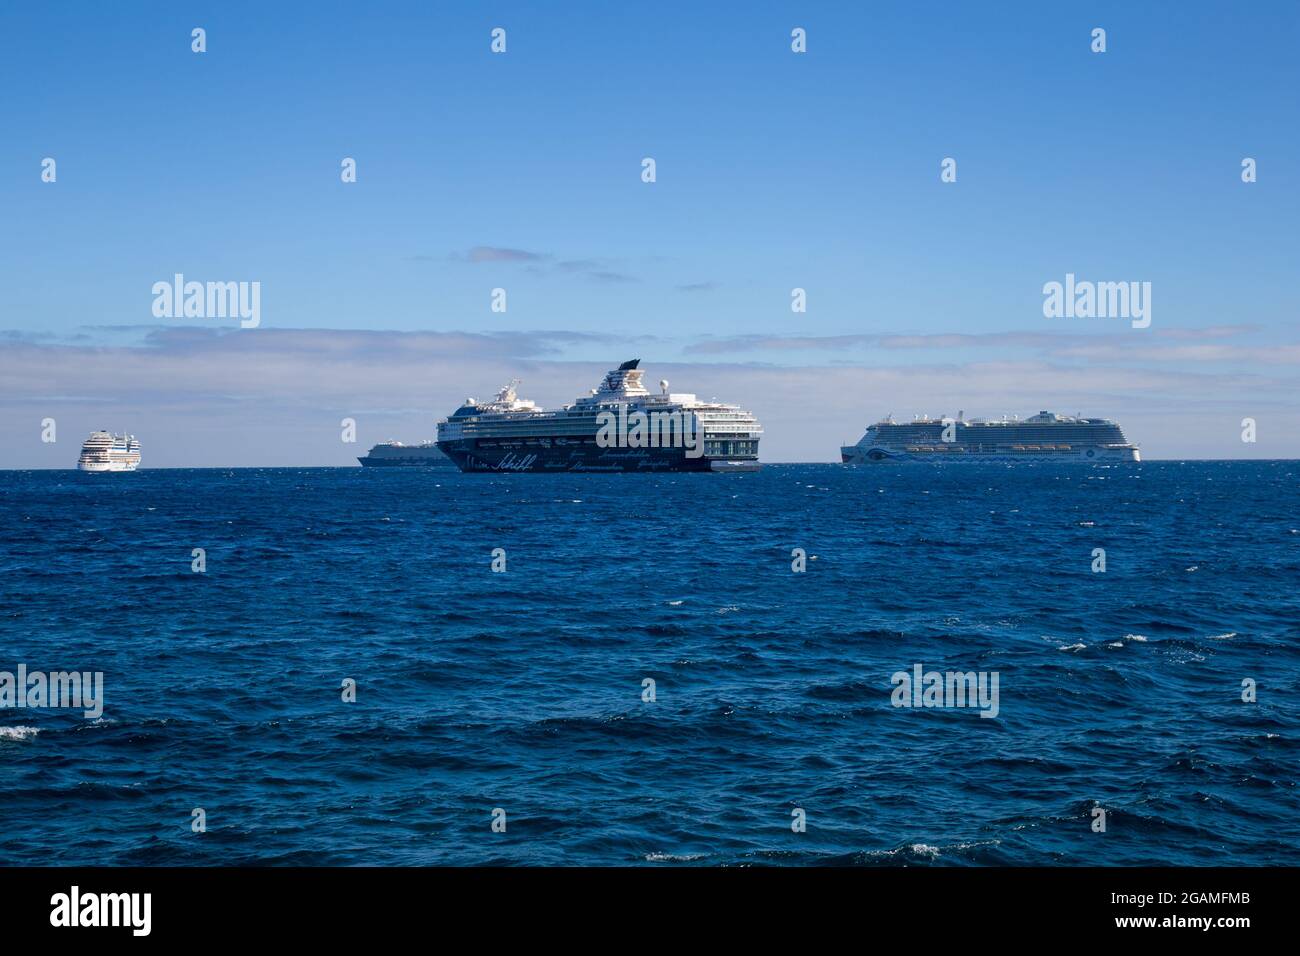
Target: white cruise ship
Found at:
1042, 437
104, 451
619, 426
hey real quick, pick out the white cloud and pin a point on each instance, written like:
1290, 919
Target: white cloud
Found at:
275, 396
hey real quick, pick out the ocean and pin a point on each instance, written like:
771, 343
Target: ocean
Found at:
769, 735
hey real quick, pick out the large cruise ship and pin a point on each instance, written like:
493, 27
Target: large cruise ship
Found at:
104, 451
1042, 437
389, 454
620, 426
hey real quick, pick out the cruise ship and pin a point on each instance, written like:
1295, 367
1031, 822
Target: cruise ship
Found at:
389, 454
619, 426
1042, 437
104, 451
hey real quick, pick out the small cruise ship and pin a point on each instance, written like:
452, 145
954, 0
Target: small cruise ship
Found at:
104, 451
619, 426
1042, 437
390, 454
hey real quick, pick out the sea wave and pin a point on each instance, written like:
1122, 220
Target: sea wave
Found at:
18, 733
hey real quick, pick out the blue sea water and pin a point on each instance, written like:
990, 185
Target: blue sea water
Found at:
523, 690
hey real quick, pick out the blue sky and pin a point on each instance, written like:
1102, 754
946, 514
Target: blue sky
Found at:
522, 171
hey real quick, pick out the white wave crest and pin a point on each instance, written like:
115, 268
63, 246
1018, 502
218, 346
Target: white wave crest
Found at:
18, 733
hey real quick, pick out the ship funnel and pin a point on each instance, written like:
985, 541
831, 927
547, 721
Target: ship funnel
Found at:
663, 385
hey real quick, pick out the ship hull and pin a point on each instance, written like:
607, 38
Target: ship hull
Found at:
582, 456
98, 466
853, 455
368, 462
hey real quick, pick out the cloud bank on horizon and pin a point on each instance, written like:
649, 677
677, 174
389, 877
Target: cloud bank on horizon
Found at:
276, 397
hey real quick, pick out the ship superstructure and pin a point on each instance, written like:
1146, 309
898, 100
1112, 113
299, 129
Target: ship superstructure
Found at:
1042, 437
104, 451
619, 426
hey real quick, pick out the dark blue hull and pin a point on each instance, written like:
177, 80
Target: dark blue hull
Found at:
574, 455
